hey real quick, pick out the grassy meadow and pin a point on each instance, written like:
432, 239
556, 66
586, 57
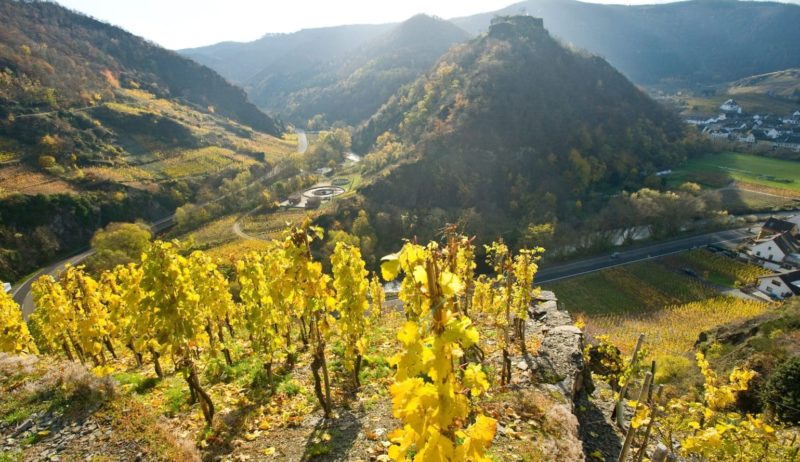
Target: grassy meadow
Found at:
714, 169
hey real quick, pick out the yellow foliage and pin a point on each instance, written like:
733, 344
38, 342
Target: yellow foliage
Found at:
14, 335
428, 395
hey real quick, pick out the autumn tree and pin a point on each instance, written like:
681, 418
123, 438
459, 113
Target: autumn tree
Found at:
119, 244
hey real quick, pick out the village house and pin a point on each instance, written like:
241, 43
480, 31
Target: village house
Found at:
791, 142
731, 106
733, 125
776, 249
775, 226
785, 284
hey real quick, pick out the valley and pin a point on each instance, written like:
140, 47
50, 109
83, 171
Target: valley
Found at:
553, 231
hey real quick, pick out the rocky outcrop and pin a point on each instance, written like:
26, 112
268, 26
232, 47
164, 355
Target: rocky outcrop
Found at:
556, 371
560, 358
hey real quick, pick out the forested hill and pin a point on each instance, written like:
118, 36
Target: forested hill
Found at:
240, 62
514, 128
77, 59
681, 43
343, 74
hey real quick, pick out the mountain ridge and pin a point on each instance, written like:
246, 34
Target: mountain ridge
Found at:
663, 45
655, 44
514, 108
351, 82
98, 125
119, 51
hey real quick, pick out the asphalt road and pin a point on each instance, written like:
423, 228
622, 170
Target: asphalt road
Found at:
22, 293
576, 268
302, 141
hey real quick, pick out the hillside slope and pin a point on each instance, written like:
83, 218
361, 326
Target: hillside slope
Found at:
678, 43
781, 84
99, 125
349, 82
512, 129
76, 56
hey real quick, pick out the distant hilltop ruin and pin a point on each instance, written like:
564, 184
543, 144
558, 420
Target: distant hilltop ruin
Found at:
506, 27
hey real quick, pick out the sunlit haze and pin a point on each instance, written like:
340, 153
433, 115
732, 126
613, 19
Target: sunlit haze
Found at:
189, 23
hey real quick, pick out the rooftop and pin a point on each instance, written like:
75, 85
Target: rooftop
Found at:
777, 226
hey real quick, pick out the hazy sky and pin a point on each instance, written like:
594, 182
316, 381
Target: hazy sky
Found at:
190, 23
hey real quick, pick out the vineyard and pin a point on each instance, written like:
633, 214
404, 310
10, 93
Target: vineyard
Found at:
274, 346
24, 180
638, 288
196, 162
265, 355
672, 329
119, 174
659, 299
270, 225
719, 268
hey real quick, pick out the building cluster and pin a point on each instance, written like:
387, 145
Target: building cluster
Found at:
735, 125
777, 248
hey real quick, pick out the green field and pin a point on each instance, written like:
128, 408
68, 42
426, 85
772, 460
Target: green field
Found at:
746, 168
716, 268
741, 201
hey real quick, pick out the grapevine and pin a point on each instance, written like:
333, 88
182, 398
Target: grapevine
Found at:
513, 292
222, 313
14, 334
90, 317
314, 303
351, 287
179, 315
71, 316
377, 297
429, 395
264, 302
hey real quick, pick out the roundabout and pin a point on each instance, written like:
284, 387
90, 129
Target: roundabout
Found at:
323, 192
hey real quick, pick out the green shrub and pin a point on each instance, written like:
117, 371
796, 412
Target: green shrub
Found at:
782, 391
673, 369
47, 161
289, 388
218, 371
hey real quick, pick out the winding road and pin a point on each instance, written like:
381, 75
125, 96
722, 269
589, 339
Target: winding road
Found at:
302, 141
302, 146
22, 292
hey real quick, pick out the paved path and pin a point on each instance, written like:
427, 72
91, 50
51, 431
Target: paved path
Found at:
302, 141
237, 226
753, 191
22, 293
558, 272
